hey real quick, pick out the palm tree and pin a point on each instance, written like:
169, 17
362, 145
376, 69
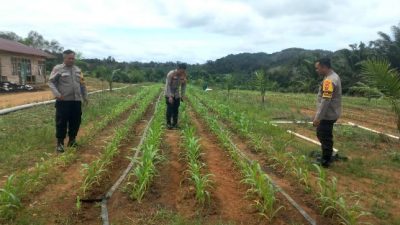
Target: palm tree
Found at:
389, 46
262, 83
379, 74
229, 83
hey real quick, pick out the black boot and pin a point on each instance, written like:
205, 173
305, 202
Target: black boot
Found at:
322, 162
60, 145
72, 142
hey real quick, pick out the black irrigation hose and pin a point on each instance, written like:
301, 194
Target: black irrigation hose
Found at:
110, 192
30, 105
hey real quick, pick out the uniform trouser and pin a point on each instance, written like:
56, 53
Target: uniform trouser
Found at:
325, 136
172, 111
68, 116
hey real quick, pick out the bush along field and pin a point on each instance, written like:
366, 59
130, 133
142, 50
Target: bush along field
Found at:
229, 162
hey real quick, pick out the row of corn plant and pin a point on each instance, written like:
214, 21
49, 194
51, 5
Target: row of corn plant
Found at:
93, 172
141, 177
260, 185
331, 202
202, 182
20, 185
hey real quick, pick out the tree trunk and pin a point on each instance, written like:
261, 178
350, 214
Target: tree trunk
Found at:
398, 123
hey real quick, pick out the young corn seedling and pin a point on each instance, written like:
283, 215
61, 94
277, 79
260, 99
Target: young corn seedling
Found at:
350, 215
301, 172
145, 171
327, 194
92, 176
9, 201
263, 188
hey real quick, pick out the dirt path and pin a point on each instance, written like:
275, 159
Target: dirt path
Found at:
56, 203
229, 192
169, 191
14, 99
8, 100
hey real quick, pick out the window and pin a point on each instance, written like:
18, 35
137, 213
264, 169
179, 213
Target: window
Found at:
26, 65
41, 68
2, 78
22, 67
30, 79
16, 70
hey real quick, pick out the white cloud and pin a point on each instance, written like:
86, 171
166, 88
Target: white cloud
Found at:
195, 31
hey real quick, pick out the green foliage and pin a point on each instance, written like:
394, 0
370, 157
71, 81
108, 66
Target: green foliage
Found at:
379, 74
364, 90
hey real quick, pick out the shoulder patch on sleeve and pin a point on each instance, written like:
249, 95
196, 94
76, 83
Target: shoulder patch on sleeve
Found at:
327, 88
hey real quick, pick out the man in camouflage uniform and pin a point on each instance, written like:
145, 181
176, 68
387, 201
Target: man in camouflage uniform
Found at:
67, 84
175, 88
329, 108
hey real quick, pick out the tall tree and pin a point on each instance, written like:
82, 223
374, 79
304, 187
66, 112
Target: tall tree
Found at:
262, 83
229, 83
389, 46
10, 36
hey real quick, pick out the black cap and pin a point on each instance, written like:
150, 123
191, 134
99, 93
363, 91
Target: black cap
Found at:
182, 66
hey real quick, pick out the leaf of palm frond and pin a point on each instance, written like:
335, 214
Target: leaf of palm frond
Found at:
380, 75
396, 33
384, 36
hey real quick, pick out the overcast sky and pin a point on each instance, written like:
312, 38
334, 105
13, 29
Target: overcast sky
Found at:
197, 31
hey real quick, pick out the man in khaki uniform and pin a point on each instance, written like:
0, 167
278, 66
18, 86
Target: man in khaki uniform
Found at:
175, 88
329, 108
67, 84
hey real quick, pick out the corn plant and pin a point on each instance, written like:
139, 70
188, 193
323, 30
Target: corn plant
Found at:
94, 171
193, 153
349, 215
332, 203
92, 174
301, 172
9, 201
78, 203
146, 170
263, 188
31, 181
254, 176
